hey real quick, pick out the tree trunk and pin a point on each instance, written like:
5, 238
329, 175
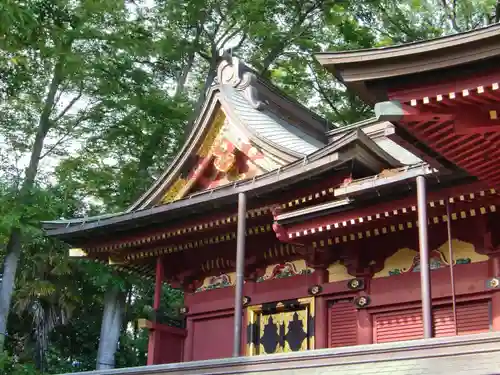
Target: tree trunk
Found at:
13, 249
114, 301
181, 82
8, 279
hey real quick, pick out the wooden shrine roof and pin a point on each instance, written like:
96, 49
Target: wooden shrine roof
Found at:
354, 145
284, 146
363, 70
256, 114
257, 117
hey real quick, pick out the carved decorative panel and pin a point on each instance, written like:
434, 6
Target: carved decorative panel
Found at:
281, 327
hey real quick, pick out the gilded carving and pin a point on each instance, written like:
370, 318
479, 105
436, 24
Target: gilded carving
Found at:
173, 192
286, 269
215, 128
217, 282
408, 260
179, 187
338, 272
462, 251
224, 155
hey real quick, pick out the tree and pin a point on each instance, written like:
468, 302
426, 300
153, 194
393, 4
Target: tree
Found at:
97, 97
67, 62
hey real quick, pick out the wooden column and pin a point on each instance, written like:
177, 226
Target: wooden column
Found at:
188, 344
365, 325
494, 263
160, 275
154, 334
321, 309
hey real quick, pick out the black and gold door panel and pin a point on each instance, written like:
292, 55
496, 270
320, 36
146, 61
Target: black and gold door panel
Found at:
281, 327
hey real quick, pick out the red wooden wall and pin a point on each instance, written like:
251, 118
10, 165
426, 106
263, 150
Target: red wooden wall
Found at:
212, 337
394, 312
166, 344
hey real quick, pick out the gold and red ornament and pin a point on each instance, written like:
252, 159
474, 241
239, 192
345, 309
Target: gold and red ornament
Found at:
251, 151
224, 155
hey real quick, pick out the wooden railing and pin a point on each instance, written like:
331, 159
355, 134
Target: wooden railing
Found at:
471, 355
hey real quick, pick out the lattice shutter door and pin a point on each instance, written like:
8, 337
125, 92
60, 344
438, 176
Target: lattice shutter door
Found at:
343, 324
398, 326
472, 317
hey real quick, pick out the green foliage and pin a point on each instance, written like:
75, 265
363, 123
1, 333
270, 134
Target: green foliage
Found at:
9, 366
96, 97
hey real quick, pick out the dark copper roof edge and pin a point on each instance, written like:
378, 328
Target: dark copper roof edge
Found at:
256, 186
373, 54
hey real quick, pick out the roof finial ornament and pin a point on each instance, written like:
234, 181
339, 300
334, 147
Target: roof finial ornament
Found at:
232, 71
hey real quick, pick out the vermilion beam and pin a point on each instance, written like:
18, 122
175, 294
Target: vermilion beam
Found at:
397, 111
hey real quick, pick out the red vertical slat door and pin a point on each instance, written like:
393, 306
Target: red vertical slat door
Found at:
343, 324
398, 326
472, 317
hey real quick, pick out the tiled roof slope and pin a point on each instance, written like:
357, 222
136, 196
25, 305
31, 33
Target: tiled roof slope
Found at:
268, 126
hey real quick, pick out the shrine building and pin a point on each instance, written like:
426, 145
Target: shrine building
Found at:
288, 236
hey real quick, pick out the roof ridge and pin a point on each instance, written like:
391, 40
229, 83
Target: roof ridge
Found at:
235, 72
416, 42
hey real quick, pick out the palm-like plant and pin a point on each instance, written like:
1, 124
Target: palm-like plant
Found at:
46, 292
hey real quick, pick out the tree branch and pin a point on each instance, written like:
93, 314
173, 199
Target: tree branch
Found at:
321, 90
452, 15
294, 31
225, 33
240, 43
70, 104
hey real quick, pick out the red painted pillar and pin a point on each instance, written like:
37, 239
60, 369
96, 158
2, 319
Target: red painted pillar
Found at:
495, 297
154, 335
188, 344
160, 274
153, 347
365, 325
321, 323
248, 290
321, 311
365, 328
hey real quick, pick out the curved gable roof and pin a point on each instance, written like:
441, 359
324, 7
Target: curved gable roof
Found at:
281, 129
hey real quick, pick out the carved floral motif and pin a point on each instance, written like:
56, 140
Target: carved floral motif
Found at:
436, 261
408, 260
284, 270
215, 282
